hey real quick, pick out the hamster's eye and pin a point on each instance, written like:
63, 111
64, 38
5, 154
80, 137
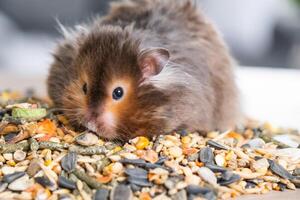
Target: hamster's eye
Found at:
117, 93
84, 88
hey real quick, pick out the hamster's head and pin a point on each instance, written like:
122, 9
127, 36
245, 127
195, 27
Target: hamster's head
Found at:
101, 81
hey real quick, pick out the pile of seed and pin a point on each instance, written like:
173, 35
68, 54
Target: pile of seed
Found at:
43, 157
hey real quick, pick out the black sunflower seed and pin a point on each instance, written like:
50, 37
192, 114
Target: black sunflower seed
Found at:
121, 192
228, 177
66, 183
135, 187
133, 161
216, 168
216, 145
279, 170
11, 177
206, 155
3, 186
101, 194
137, 172
161, 160
250, 185
195, 189
44, 181
68, 162
8, 137
282, 186
139, 181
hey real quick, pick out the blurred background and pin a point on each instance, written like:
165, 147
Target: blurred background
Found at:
260, 33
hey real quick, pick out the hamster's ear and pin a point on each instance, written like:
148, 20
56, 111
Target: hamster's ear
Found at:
152, 60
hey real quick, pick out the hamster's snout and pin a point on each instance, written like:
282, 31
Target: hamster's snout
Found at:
101, 122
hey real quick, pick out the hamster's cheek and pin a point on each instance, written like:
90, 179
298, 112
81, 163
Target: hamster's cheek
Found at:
74, 102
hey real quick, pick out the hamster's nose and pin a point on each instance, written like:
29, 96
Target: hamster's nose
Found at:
91, 115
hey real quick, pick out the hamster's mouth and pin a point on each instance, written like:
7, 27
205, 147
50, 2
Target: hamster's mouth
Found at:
102, 132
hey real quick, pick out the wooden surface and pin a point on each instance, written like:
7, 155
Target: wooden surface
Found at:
267, 94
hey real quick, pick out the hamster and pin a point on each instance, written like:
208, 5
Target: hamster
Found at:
148, 67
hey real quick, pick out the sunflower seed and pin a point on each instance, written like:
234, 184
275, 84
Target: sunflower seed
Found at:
69, 161
66, 183
279, 170
296, 172
250, 185
207, 175
11, 177
139, 181
256, 143
181, 195
121, 192
8, 137
228, 177
282, 186
33, 167
216, 145
86, 139
44, 181
3, 186
216, 168
133, 161
20, 184
161, 160
137, 172
206, 155
135, 188
101, 194
196, 190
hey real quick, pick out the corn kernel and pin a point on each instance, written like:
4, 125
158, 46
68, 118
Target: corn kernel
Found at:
185, 139
117, 149
47, 162
47, 192
229, 155
142, 143
11, 163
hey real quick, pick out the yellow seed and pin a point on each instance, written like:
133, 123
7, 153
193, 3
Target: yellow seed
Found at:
47, 162
47, 192
108, 169
142, 143
11, 163
63, 119
100, 142
117, 149
60, 133
185, 139
2, 158
229, 155
68, 138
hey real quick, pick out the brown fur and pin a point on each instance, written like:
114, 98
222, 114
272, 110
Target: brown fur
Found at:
196, 90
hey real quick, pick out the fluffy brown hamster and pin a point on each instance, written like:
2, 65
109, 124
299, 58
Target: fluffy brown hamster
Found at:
148, 67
